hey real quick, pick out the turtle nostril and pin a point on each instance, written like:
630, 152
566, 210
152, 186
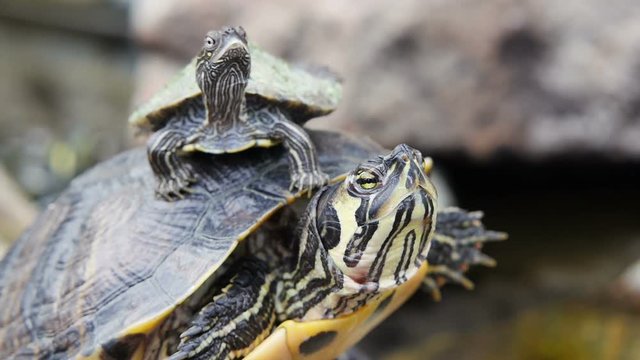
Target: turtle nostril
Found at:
240, 31
403, 152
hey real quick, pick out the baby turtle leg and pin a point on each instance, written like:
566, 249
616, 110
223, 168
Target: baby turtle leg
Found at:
305, 171
303, 161
456, 245
174, 175
237, 318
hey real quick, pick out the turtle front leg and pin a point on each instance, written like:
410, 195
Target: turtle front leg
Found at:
303, 160
273, 124
456, 245
234, 322
173, 175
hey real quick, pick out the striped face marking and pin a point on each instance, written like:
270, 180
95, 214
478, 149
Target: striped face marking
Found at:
222, 72
377, 224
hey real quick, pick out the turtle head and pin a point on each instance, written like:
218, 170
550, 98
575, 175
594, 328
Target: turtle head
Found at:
377, 224
223, 65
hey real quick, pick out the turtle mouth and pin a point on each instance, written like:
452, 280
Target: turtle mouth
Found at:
234, 49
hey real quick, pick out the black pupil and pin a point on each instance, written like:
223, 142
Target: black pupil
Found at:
371, 180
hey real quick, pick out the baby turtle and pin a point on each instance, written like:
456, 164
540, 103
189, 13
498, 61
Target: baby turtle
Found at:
231, 97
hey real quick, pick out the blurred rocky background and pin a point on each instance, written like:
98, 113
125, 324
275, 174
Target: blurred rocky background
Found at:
530, 108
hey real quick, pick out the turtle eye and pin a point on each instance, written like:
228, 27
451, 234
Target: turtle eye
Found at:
367, 180
209, 41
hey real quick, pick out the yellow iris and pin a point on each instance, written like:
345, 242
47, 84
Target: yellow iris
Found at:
367, 180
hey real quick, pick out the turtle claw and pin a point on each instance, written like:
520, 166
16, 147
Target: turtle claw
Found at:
431, 286
191, 332
443, 274
180, 355
484, 260
306, 182
173, 189
173, 173
457, 245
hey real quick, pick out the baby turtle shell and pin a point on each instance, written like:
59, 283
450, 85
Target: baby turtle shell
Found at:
305, 93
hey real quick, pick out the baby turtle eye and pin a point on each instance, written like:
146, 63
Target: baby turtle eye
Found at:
209, 41
367, 180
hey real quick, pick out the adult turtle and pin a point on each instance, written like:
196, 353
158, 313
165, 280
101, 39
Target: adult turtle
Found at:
232, 97
110, 271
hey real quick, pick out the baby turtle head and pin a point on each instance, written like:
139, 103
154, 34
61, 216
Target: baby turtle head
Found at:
377, 223
224, 64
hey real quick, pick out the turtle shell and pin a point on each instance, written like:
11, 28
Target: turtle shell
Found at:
107, 261
305, 93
